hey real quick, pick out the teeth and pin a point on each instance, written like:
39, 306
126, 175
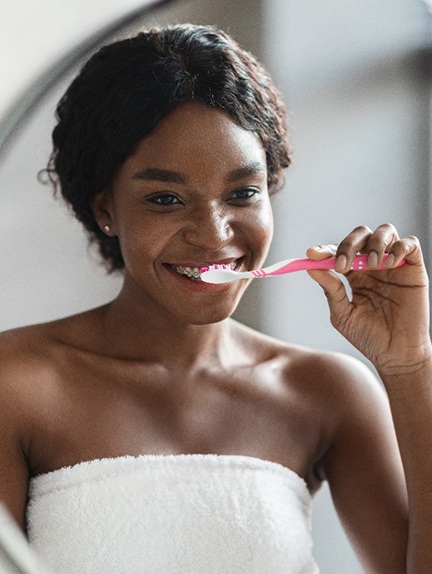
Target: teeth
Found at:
194, 272
188, 271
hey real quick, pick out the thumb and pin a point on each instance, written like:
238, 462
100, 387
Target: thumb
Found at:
319, 252
335, 292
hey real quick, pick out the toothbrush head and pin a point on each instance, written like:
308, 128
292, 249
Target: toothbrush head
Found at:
220, 273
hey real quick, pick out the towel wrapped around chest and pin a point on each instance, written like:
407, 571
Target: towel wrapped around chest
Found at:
176, 514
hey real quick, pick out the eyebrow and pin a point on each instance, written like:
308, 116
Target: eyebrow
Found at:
164, 175
169, 176
252, 168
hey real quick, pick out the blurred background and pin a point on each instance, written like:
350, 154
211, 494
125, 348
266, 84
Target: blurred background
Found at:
356, 77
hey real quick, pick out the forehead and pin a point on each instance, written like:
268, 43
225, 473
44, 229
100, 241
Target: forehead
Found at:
195, 136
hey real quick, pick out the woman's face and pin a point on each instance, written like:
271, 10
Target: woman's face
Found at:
193, 193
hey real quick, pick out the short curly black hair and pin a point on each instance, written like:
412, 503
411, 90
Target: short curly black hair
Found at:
127, 87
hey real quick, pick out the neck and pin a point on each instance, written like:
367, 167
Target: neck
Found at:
139, 334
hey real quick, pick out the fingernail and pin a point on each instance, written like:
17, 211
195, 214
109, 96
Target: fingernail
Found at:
372, 260
340, 263
390, 260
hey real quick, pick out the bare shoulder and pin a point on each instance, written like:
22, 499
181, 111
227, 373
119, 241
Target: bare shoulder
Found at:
27, 348
31, 359
339, 393
325, 373
342, 389
37, 349
22, 355
27, 368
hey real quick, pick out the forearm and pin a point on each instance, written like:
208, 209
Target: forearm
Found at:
410, 396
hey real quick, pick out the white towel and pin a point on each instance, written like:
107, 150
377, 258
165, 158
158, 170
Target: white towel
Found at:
185, 514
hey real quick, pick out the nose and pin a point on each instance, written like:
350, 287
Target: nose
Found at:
209, 229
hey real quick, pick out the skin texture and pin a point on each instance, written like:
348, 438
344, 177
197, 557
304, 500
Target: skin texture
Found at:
162, 369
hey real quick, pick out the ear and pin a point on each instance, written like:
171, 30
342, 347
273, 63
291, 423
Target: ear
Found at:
102, 207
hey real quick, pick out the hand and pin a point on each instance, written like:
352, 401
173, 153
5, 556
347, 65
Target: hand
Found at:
387, 318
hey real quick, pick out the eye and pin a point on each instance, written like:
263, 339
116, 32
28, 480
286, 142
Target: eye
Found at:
164, 199
243, 194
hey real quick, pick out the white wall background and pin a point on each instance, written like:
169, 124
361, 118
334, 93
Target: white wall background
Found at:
357, 86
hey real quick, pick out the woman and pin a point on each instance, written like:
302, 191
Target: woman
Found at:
157, 434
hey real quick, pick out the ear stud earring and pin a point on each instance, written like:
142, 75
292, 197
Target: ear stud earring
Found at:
106, 228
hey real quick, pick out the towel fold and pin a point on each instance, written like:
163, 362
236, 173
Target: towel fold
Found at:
176, 514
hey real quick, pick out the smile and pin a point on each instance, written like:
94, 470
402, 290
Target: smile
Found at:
193, 272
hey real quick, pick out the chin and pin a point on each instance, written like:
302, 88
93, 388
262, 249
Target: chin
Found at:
210, 316
209, 321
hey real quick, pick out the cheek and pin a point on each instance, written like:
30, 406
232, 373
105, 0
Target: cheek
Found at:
140, 240
263, 226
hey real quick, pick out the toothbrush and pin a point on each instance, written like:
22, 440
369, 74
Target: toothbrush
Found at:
224, 274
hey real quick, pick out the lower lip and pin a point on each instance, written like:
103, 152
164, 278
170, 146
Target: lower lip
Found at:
199, 286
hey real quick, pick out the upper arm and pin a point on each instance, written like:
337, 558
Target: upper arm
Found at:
14, 474
364, 470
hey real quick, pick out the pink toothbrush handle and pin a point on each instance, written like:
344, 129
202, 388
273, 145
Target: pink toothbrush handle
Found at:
359, 263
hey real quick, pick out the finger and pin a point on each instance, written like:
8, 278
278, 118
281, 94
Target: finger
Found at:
406, 248
319, 252
352, 244
380, 242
